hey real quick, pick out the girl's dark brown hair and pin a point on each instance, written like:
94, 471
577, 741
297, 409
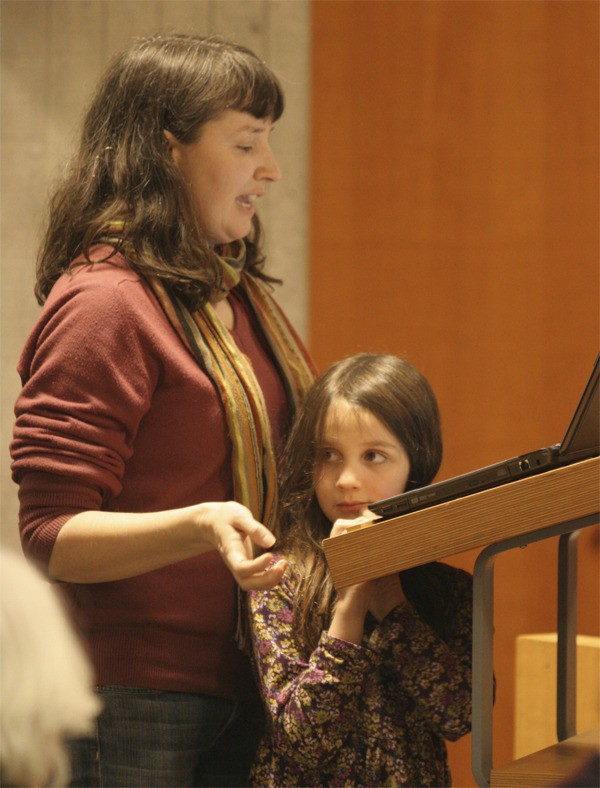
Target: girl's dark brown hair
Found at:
396, 393
123, 169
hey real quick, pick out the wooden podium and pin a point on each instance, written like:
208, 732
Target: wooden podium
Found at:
556, 503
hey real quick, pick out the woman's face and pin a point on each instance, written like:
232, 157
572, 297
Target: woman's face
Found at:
359, 462
227, 170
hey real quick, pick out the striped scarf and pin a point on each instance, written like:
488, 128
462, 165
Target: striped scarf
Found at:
208, 340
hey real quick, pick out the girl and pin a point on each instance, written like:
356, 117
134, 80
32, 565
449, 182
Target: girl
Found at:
363, 685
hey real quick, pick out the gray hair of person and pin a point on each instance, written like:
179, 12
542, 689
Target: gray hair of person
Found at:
123, 170
46, 679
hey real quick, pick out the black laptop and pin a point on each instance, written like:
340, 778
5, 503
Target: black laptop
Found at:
580, 442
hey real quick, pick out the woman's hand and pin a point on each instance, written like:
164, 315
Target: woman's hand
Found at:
234, 529
100, 547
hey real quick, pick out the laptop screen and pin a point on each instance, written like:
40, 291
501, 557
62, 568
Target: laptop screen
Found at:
583, 433
581, 441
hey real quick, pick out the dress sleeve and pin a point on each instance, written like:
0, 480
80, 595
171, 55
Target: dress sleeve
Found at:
312, 701
434, 671
87, 379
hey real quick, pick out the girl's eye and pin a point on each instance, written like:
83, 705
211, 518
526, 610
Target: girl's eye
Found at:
328, 455
374, 456
245, 148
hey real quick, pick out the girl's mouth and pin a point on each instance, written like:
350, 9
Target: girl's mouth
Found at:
351, 508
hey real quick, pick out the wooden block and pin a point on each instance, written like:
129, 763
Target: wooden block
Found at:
476, 520
551, 766
535, 690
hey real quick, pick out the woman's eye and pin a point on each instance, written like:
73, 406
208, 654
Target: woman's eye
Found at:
245, 148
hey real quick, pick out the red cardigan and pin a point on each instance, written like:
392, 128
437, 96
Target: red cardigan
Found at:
115, 414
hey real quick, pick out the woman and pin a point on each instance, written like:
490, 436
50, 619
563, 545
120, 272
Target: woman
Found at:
362, 686
158, 384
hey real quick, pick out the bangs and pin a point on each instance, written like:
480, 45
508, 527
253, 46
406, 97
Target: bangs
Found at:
204, 77
263, 105
258, 93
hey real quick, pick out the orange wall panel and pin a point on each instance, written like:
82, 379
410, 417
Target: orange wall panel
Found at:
454, 221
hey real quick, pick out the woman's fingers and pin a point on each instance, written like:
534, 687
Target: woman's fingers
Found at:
263, 579
235, 529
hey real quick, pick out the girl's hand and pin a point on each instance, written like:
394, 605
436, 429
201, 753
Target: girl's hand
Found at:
351, 606
233, 530
383, 594
352, 602
386, 595
342, 526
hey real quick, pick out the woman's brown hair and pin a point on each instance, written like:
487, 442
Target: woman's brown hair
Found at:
123, 170
396, 393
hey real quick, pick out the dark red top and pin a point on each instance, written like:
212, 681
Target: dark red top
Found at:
115, 414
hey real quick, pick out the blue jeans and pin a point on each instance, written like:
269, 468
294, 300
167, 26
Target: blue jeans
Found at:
155, 738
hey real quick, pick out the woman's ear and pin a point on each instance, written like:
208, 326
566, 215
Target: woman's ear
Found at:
173, 146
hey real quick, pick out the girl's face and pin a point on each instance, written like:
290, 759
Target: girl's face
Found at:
227, 170
358, 462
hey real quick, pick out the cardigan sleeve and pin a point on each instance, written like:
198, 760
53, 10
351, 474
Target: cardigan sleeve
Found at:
311, 702
434, 671
88, 378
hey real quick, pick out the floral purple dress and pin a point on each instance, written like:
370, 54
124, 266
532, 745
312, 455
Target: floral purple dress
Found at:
370, 715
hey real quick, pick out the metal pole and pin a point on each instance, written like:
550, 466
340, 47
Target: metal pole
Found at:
566, 647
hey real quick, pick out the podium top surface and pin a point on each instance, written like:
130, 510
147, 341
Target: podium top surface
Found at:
476, 520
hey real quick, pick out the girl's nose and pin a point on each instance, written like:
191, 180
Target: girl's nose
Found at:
347, 477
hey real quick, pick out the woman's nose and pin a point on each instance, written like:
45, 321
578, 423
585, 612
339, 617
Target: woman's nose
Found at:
268, 168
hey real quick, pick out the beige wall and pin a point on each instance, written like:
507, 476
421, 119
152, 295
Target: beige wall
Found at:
52, 55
